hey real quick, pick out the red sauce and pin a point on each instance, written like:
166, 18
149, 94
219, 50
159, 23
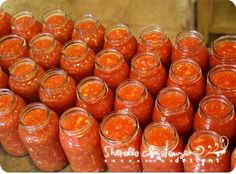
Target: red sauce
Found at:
5, 23
233, 159
3, 79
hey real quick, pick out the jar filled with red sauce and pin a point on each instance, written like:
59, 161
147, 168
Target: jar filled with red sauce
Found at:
154, 39
187, 75
119, 37
45, 50
223, 51
133, 96
25, 75
11, 106
147, 68
3, 79
222, 80
233, 159
77, 59
161, 148
39, 132
120, 141
89, 29
173, 106
94, 96
111, 67
59, 24
190, 44
206, 151
57, 90
5, 23
12, 48
25, 25
79, 136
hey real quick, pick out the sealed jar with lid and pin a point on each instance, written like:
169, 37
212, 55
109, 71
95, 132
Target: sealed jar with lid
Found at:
77, 59
89, 29
39, 132
79, 136
94, 96
3, 79
120, 141
5, 23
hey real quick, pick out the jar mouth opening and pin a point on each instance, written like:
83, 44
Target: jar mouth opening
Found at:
10, 37
87, 18
70, 113
29, 108
19, 15
169, 111
107, 52
54, 13
26, 75
124, 113
12, 103
153, 29
98, 96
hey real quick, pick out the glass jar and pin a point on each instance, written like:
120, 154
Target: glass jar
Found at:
12, 48
25, 25
111, 67
173, 106
39, 132
79, 136
233, 159
154, 39
222, 80
24, 79
57, 90
5, 23
216, 113
119, 37
161, 148
11, 106
59, 24
77, 59
89, 29
120, 141
94, 96
45, 50
133, 96
223, 51
206, 151
147, 68
187, 75
3, 79
190, 44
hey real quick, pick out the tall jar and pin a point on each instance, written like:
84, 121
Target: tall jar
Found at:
59, 24
190, 44
233, 159
133, 96
39, 132
5, 23
206, 151
57, 90
45, 50
25, 25
25, 75
216, 113
147, 68
3, 79
154, 39
120, 132
119, 37
111, 67
12, 48
89, 29
187, 75
221, 80
11, 106
79, 136
77, 59
223, 51
173, 106
94, 96
161, 148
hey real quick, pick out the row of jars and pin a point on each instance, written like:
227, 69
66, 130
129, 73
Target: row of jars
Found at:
117, 142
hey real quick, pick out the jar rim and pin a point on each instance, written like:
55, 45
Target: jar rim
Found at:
19, 15
87, 17
5, 91
52, 13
